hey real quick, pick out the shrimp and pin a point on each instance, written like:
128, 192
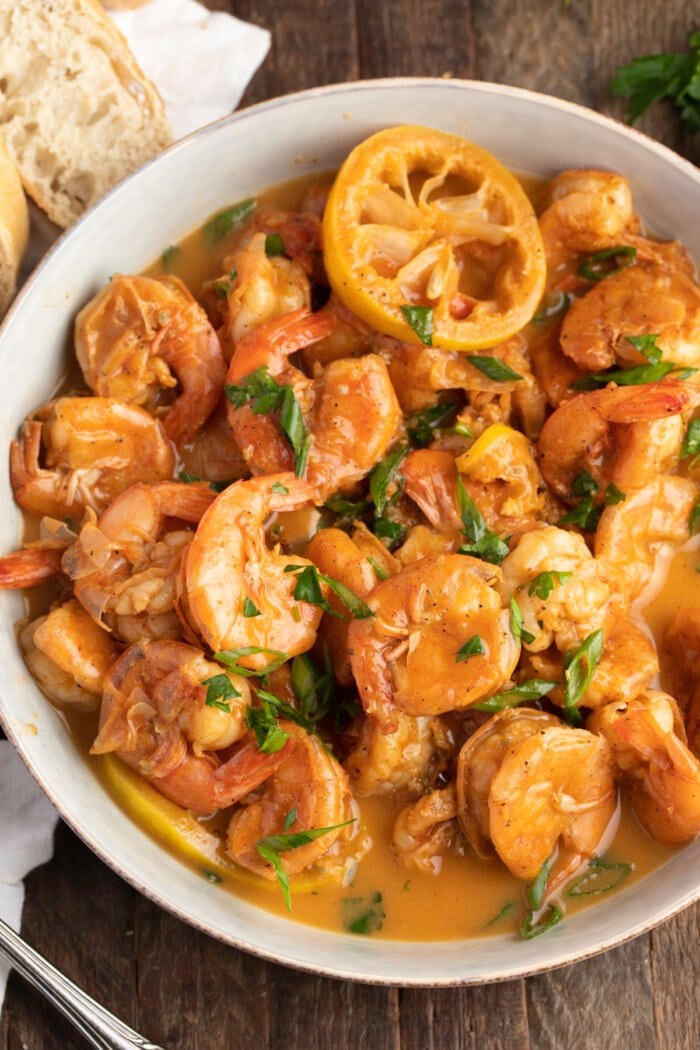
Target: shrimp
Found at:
349, 337
630, 534
580, 594
29, 567
430, 480
623, 435
265, 287
381, 763
480, 759
648, 740
154, 716
229, 561
405, 656
213, 454
680, 655
141, 336
641, 300
299, 231
68, 655
353, 561
553, 371
92, 449
351, 410
629, 662
124, 568
309, 783
584, 211
424, 831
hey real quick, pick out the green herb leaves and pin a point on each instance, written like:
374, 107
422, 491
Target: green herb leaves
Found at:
586, 514
579, 667
483, 543
607, 262
544, 583
222, 224
691, 441
649, 78
493, 368
421, 426
250, 609
383, 474
308, 589
272, 846
422, 321
526, 692
516, 623
647, 346
264, 396
274, 245
473, 647
220, 692
264, 722
363, 915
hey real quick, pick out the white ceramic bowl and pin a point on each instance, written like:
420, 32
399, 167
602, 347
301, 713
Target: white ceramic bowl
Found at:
155, 207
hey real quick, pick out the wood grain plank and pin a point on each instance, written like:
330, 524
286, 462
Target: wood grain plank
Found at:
536, 44
312, 43
602, 1002
487, 1017
623, 31
675, 967
79, 914
416, 38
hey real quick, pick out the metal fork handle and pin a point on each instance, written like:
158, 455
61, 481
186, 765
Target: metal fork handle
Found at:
99, 1027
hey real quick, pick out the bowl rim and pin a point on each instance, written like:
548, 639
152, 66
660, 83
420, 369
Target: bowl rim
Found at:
562, 957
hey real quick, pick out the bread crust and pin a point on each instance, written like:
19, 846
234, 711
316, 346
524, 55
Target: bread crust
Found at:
14, 227
88, 115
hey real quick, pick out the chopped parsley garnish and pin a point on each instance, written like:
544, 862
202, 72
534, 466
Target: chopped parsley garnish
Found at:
187, 478
264, 722
493, 368
272, 846
526, 692
383, 474
516, 623
551, 918
422, 321
691, 441
388, 530
607, 262
289, 819
347, 509
265, 395
646, 346
602, 876
314, 688
168, 256
221, 288
483, 543
585, 514
279, 489
421, 425
507, 907
473, 647
250, 609
363, 915
220, 692
544, 583
211, 876
274, 245
649, 78
579, 667
222, 224
230, 657
308, 589
613, 495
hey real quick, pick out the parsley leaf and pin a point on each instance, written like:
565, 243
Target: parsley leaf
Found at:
544, 583
526, 692
270, 848
264, 722
646, 346
483, 543
274, 245
691, 441
347, 509
250, 609
576, 679
473, 647
388, 530
516, 623
289, 819
265, 395
278, 488
421, 425
584, 514
649, 78
363, 915
222, 224
613, 495
220, 692
308, 589
607, 262
493, 368
383, 474
422, 321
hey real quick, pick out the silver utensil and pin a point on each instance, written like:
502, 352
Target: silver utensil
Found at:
98, 1026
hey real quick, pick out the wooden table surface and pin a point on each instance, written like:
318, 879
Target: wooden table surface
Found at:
188, 992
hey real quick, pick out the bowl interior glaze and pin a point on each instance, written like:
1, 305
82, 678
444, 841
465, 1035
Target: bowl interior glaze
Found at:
157, 206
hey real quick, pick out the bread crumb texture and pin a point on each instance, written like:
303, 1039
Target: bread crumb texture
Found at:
76, 112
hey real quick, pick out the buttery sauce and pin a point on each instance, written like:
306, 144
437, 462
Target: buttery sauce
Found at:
469, 896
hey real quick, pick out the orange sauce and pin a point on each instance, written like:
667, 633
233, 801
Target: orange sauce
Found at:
469, 897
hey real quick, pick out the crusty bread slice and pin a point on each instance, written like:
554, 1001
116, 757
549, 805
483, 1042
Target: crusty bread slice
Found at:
119, 4
76, 112
14, 227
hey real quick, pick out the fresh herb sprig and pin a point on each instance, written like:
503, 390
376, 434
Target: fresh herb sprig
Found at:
648, 78
482, 542
264, 395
